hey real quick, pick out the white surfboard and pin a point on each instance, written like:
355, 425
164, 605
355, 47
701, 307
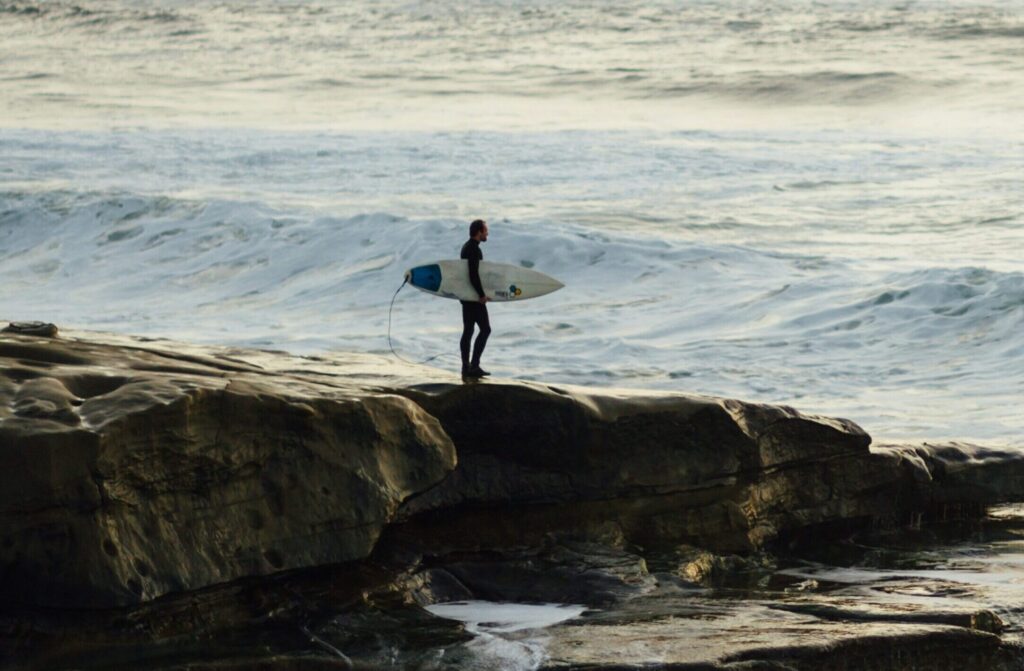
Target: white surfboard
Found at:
501, 281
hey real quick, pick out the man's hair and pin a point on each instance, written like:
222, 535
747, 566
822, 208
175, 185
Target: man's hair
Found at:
476, 227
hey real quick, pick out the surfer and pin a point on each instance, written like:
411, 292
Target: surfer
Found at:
474, 313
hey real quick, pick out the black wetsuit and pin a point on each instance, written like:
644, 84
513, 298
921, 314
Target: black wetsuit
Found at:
474, 312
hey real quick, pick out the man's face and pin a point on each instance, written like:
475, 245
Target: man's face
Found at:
483, 234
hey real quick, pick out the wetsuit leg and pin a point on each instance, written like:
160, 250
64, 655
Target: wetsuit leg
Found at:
468, 320
484, 322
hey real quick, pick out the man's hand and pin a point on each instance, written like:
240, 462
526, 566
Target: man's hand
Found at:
484, 299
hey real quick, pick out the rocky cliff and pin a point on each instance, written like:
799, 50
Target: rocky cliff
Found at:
138, 469
134, 470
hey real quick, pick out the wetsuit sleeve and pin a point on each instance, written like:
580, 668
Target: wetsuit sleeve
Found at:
474, 272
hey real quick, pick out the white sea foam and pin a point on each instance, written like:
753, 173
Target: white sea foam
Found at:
508, 636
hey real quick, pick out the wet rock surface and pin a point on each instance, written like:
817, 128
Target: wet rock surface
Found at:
177, 506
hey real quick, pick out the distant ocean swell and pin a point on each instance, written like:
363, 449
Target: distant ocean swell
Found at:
789, 54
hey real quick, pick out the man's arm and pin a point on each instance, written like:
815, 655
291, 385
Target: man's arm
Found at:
474, 276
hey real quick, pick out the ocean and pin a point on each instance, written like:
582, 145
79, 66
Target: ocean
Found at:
819, 204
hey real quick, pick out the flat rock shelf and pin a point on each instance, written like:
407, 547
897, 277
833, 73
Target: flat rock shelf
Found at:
167, 505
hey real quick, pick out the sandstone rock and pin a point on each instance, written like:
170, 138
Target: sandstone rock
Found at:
31, 328
663, 468
132, 471
138, 468
954, 474
701, 567
729, 635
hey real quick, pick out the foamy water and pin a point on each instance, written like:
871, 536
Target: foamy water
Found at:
507, 636
811, 204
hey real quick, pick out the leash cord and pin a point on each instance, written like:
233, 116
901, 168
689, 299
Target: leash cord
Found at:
391, 345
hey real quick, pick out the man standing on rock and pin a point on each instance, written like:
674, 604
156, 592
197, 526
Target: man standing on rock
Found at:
474, 312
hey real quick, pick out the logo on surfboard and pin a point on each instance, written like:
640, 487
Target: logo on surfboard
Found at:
513, 292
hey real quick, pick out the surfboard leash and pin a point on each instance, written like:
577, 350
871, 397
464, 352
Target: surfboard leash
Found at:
397, 355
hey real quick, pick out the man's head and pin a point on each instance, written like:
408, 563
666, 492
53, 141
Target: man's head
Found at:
478, 230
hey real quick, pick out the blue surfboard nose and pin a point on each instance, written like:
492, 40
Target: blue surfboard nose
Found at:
427, 278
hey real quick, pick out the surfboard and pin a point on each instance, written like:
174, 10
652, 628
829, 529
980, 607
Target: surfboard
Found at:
502, 282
